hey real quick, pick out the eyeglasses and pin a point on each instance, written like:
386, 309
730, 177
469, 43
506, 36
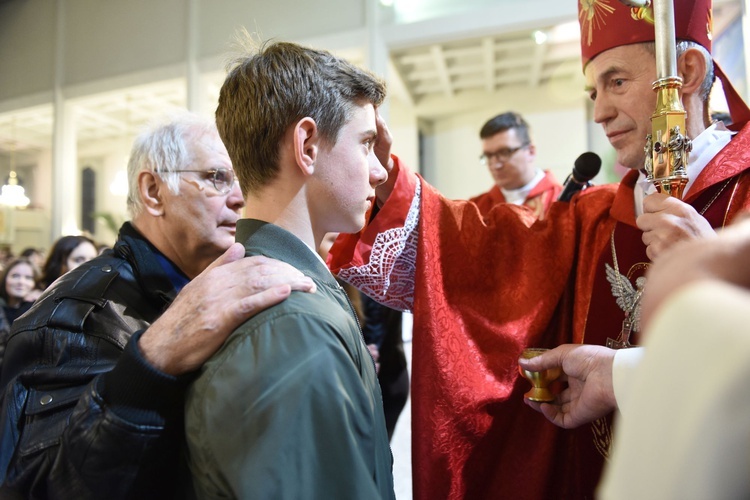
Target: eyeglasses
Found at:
501, 155
222, 178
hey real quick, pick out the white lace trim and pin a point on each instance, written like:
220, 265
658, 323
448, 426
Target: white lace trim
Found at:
389, 275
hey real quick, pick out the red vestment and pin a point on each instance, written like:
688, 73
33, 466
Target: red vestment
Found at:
483, 289
539, 199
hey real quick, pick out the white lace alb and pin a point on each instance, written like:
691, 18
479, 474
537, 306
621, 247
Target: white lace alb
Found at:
389, 275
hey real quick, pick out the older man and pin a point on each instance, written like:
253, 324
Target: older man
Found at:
483, 289
95, 373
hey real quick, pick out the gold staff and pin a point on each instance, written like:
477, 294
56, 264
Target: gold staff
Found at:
667, 147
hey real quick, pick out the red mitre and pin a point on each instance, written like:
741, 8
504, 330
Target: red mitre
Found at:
609, 23
606, 24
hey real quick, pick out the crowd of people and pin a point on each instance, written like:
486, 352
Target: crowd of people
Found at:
211, 355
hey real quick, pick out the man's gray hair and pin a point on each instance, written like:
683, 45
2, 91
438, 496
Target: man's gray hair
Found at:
163, 147
708, 80
681, 47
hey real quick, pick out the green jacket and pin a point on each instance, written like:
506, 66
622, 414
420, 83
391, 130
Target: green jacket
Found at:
290, 407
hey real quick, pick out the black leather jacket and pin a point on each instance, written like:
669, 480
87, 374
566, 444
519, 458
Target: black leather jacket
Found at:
83, 415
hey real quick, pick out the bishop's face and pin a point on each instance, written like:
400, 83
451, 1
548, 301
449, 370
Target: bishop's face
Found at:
619, 82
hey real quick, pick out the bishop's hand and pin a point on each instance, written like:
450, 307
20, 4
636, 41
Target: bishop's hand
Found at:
666, 221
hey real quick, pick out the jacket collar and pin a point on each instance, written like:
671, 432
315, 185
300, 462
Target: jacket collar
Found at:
141, 254
264, 238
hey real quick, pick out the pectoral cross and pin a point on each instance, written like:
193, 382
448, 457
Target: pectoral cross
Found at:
623, 340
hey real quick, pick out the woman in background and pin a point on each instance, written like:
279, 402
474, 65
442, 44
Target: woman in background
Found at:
36, 257
16, 284
67, 253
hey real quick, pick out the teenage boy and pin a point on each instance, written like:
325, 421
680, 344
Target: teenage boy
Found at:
290, 407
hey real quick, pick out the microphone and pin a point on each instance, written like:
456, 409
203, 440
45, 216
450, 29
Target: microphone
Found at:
585, 168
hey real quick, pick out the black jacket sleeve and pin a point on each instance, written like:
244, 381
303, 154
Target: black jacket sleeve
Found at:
83, 415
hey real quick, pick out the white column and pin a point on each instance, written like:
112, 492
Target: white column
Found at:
376, 55
195, 97
66, 178
66, 182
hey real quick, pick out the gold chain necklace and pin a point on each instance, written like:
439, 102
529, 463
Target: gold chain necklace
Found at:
713, 199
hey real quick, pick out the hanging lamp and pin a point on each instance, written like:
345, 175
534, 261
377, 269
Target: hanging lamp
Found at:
13, 193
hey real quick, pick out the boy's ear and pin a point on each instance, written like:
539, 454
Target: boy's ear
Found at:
149, 189
306, 143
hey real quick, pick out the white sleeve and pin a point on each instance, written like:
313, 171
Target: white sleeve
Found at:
686, 430
623, 368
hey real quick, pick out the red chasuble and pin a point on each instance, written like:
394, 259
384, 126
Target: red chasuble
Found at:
484, 288
539, 199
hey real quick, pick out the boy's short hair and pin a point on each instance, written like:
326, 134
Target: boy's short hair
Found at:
273, 86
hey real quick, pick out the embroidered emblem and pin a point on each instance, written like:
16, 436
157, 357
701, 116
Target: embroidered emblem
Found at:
627, 296
591, 17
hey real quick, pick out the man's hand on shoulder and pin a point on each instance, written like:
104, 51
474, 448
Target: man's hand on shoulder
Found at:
221, 298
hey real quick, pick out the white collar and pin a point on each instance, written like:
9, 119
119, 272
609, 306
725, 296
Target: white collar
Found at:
518, 196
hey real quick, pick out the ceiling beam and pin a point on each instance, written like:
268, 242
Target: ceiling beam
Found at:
95, 120
537, 62
478, 22
488, 56
442, 69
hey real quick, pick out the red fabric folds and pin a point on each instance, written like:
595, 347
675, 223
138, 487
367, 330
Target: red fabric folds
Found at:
487, 287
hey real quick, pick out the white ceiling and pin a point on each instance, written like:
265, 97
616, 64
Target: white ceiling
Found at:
488, 63
447, 70
108, 115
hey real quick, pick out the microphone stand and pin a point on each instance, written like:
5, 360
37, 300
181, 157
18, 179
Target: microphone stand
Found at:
667, 147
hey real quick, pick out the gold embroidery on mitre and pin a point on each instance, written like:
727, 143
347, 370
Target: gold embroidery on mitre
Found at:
591, 16
643, 14
710, 25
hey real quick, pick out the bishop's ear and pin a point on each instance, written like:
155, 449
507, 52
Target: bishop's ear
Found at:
306, 144
691, 66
